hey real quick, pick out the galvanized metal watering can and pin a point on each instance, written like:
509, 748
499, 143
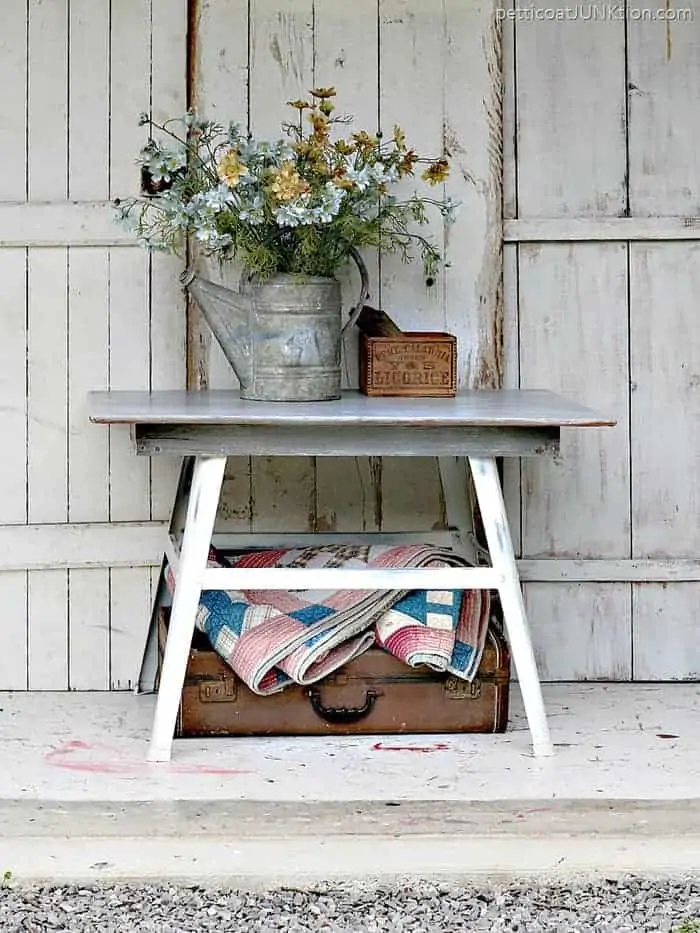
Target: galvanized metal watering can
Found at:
283, 336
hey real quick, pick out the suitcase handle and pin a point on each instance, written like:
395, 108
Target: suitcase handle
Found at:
341, 715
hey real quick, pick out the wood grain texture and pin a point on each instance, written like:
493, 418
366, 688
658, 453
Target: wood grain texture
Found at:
665, 373
47, 100
47, 635
573, 326
571, 129
664, 136
14, 657
346, 46
411, 39
168, 310
281, 69
13, 380
399, 441
130, 615
665, 643
473, 137
581, 632
564, 229
503, 408
13, 74
219, 90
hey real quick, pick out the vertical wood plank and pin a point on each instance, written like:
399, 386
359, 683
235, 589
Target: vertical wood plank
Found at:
571, 129
664, 139
666, 645
573, 325
47, 114
220, 93
48, 100
130, 618
13, 74
47, 607
88, 463
411, 38
580, 632
47, 460
281, 69
168, 323
512, 466
88, 336
665, 364
573, 328
473, 137
346, 40
13, 378
130, 305
14, 657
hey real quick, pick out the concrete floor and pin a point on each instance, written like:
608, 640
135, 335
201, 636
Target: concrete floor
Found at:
78, 801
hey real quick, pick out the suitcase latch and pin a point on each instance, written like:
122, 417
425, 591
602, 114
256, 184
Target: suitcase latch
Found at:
218, 691
457, 689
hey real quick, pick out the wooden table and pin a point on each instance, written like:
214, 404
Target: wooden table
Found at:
475, 427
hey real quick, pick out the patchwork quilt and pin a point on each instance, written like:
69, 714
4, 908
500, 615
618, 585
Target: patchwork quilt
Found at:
272, 638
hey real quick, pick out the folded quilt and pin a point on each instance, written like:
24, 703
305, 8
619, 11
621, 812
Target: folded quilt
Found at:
272, 638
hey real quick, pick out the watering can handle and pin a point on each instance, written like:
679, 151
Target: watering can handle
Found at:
364, 290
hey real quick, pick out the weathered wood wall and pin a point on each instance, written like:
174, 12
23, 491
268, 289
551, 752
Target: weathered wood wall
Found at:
79, 309
435, 70
601, 208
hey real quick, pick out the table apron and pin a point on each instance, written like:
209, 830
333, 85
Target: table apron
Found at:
388, 440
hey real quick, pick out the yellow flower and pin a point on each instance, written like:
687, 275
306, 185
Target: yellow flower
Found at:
326, 108
342, 147
363, 141
436, 172
320, 125
300, 104
230, 169
399, 137
408, 160
288, 183
323, 93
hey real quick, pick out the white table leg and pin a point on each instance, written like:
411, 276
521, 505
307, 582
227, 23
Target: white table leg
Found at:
493, 514
201, 513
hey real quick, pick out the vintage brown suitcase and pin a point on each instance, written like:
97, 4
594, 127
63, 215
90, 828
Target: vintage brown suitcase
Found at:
375, 694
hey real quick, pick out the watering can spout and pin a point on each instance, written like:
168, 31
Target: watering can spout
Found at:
229, 314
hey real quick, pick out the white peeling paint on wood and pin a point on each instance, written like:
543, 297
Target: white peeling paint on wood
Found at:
220, 92
346, 38
281, 69
666, 645
664, 134
168, 310
573, 334
13, 74
571, 131
411, 40
665, 373
581, 632
92, 322
564, 229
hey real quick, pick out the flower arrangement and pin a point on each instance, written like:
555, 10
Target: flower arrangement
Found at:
301, 204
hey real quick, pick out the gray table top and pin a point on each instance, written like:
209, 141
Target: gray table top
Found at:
497, 408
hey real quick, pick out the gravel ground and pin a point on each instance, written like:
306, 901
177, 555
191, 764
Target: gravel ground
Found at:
622, 906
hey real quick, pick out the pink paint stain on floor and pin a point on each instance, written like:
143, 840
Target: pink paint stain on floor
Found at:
101, 759
424, 749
